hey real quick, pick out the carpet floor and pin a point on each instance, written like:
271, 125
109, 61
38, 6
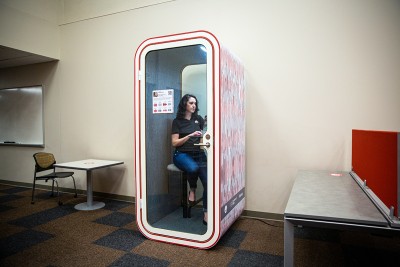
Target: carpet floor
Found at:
45, 234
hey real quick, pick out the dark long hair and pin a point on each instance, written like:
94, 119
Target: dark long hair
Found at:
182, 106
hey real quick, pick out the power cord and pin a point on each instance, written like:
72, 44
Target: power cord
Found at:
260, 220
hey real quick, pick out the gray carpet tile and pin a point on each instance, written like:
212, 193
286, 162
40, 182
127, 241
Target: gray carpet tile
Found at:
14, 190
5, 208
7, 198
249, 258
232, 238
121, 239
45, 216
131, 259
20, 241
115, 205
47, 195
117, 219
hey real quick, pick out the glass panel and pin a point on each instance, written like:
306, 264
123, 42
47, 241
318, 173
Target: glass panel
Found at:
169, 75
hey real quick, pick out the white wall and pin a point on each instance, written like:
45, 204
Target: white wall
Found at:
194, 81
315, 70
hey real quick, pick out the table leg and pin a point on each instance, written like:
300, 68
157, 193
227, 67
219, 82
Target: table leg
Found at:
89, 188
288, 243
90, 204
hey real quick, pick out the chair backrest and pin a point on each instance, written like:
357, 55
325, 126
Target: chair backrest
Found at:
44, 161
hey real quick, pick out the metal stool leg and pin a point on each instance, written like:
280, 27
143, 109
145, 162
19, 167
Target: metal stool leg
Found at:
76, 194
33, 191
185, 206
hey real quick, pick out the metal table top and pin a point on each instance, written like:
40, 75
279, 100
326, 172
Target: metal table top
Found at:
331, 196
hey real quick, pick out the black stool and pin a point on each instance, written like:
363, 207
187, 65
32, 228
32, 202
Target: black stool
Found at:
184, 195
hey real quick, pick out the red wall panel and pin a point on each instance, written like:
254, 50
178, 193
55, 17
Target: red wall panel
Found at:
375, 159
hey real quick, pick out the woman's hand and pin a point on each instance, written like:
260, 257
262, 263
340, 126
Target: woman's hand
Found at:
195, 134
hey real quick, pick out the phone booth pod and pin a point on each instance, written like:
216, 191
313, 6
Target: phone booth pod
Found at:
166, 68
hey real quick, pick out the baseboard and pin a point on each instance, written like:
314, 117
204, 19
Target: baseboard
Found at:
246, 213
262, 215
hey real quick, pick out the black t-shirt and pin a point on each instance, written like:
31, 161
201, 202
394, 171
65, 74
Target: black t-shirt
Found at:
184, 127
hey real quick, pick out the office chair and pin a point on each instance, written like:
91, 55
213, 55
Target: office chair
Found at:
45, 162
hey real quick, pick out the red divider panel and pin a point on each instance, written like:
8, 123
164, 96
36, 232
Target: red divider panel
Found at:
375, 159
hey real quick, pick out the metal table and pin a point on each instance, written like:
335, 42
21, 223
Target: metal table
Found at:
328, 200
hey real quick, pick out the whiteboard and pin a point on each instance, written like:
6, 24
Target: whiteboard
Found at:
21, 116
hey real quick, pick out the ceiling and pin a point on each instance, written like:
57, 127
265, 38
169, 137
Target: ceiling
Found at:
10, 57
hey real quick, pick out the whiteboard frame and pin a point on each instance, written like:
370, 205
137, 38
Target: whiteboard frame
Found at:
27, 144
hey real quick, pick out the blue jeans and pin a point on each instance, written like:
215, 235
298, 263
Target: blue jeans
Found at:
195, 165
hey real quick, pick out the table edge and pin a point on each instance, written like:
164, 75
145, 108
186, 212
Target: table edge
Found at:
88, 169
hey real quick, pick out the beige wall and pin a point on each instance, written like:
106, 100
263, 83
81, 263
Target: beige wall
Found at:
31, 26
315, 70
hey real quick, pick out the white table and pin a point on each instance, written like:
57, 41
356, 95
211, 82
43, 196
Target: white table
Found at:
89, 165
329, 200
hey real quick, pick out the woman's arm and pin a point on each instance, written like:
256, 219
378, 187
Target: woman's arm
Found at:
176, 141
